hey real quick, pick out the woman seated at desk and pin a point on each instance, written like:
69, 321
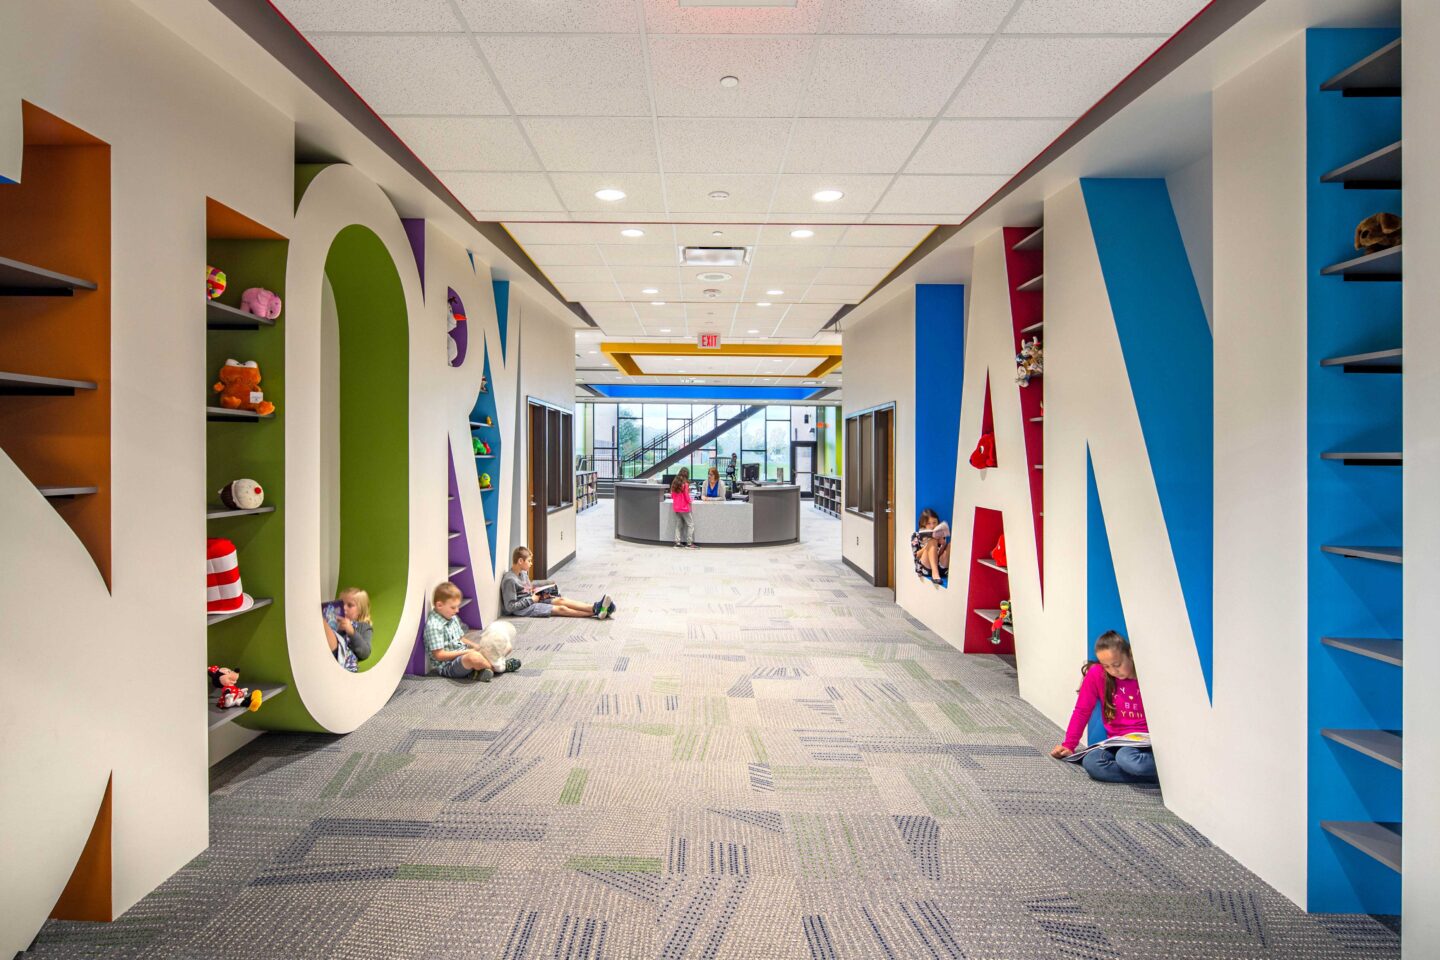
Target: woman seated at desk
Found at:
714, 487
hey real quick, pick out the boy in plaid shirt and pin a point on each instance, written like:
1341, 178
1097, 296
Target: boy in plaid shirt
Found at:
448, 651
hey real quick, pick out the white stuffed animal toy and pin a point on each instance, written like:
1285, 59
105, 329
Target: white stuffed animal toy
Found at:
495, 643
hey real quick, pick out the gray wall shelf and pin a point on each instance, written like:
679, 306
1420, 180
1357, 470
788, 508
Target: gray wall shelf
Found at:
1378, 840
218, 512
1387, 746
25, 385
66, 493
1033, 327
991, 615
1374, 171
1031, 241
1032, 285
1382, 265
1360, 458
1386, 651
1377, 361
219, 716
215, 618
986, 562
1383, 554
1377, 75
19, 279
226, 415
218, 316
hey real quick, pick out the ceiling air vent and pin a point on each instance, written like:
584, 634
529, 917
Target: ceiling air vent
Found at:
714, 256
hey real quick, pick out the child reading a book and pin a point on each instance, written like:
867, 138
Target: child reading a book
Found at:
521, 598
931, 547
1110, 680
347, 627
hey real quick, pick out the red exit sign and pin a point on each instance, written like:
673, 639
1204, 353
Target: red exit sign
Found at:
709, 341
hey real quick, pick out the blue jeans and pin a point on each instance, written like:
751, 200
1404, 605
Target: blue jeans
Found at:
1122, 765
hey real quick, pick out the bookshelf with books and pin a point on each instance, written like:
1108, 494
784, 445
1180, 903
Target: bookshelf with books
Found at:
587, 489
827, 494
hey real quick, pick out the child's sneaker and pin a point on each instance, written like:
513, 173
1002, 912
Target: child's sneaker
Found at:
486, 676
511, 665
610, 605
677, 546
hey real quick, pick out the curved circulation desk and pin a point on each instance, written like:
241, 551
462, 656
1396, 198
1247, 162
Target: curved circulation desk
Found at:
771, 515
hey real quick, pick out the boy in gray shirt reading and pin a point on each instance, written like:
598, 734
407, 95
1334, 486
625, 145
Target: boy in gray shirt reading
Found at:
521, 598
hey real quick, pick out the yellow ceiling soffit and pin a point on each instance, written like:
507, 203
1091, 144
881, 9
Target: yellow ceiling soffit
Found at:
623, 353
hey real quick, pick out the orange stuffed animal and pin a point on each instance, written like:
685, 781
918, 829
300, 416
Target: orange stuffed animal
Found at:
239, 388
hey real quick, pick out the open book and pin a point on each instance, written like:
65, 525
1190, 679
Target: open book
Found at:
547, 589
1110, 743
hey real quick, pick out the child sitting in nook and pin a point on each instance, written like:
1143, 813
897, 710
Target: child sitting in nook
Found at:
1110, 679
931, 547
521, 598
347, 627
449, 649
680, 503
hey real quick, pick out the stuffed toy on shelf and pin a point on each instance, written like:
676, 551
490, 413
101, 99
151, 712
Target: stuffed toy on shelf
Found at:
1029, 362
233, 696
1000, 622
239, 388
214, 282
222, 677
484, 481
259, 302
983, 455
242, 494
1377, 232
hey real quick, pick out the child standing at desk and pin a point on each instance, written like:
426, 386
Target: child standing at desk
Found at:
680, 503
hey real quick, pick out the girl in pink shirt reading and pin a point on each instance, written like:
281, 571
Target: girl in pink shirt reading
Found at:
1110, 680
680, 501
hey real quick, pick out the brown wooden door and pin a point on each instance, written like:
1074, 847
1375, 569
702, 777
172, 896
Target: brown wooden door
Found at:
884, 486
536, 489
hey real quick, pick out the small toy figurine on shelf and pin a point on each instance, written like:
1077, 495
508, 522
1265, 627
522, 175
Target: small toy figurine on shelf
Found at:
214, 282
221, 677
478, 446
259, 302
239, 388
232, 696
1029, 362
484, 481
1000, 622
484, 385
488, 421
485, 447
1377, 232
242, 494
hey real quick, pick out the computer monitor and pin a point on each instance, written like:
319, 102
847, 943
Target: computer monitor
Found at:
750, 472
666, 479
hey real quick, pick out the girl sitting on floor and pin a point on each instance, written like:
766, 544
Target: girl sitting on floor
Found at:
1110, 679
931, 547
347, 627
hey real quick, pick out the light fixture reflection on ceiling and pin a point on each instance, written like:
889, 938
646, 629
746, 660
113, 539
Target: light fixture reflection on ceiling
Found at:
774, 293
717, 233
632, 232
754, 331
827, 196
729, 81
650, 290
610, 194
664, 329
802, 234
657, 303
714, 277
763, 303
719, 195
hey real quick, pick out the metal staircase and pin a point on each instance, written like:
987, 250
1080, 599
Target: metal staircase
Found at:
696, 443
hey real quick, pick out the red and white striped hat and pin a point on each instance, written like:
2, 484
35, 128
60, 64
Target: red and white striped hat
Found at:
223, 592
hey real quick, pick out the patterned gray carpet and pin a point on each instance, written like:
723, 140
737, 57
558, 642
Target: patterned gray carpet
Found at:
761, 757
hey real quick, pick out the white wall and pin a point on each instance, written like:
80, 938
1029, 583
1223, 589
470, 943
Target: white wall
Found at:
1191, 188
1261, 591
547, 373
879, 369
1421, 123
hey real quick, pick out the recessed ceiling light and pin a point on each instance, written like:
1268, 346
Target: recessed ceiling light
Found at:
657, 303
651, 290
715, 277
763, 303
802, 234
594, 352
776, 360
611, 194
754, 331
664, 329
682, 371
719, 195
728, 81
632, 232
717, 233
824, 196
774, 293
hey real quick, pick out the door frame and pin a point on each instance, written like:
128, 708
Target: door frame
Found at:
883, 485
814, 450
537, 441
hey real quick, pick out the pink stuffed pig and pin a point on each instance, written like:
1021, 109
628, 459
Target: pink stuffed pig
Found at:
260, 302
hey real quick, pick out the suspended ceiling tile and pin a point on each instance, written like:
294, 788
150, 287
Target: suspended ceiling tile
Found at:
593, 290
561, 75
465, 143
938, 195
732, 234
811, 311
984, 146
883, 235
723, 145
622, 219
833, 145
667, 314
640, 277
694, 291
1103, 16
915, 16
564, 254
749, 192
886, 76
549, 232
1048, 77
669, 292
511, 216
686, 74
772, 261
793, 280
837, 293
578, 274
886, 257
503, 191
832, 275
549, 16
610, 310
642, 193
667, 16
369, 16
796, 190
602, 144
643, 255
382, 69
778, 234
